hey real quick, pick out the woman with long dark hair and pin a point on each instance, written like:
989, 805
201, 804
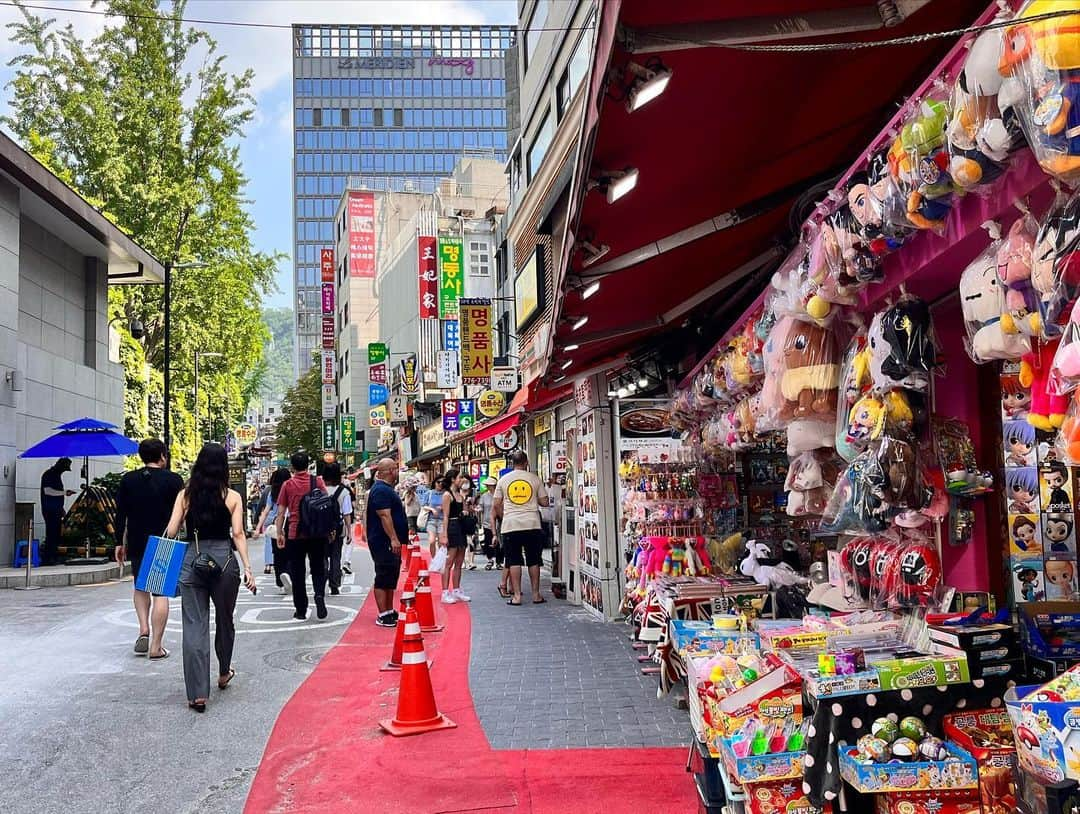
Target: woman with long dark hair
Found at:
275, 534
211, 512
453, 536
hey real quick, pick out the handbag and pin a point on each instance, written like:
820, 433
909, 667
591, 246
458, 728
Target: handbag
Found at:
438, 562
423, 518
206, 565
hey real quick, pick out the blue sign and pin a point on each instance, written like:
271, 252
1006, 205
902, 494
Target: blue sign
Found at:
451, 334
467, 407
377, 394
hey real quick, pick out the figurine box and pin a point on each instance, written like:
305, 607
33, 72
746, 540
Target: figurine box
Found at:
760, 768
1046, 734
987, 735
965, 801
780, 796
1051, 630
959, 773
973, 637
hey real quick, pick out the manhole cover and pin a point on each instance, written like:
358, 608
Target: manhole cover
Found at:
302, 660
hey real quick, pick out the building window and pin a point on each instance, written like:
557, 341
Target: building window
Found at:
345, 117
502, 335
534, 29
378, 117
575, 71
316, 117
540, 144
479, 259
399, 117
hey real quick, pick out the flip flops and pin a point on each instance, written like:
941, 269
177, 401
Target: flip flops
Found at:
513, 603
505, 594
164, 654
142, 645
539, 601
223, 681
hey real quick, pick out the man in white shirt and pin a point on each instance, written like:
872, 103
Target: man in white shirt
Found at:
337, 490
519, 496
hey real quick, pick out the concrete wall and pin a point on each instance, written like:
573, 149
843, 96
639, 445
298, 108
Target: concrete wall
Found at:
9, 360
61, 348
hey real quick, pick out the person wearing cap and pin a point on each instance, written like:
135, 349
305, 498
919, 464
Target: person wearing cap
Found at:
52, 508
492, 551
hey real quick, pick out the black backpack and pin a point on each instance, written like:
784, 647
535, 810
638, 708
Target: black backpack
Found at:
319, 513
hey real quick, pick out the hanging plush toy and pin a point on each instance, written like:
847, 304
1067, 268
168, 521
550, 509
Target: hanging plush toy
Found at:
982, 299
1055, 272
920, 164
902, 352
771, 576
811, 372
806, 487
854, 384
1014, 264
1047, 409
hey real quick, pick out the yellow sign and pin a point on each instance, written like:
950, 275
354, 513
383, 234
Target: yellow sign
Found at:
378, 417
477, 352
543, 423
495, 466
490, 403
246, 434
519, 491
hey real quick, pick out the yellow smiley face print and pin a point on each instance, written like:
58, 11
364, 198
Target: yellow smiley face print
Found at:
519, 492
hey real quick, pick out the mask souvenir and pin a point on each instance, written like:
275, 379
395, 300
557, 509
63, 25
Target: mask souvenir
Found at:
1014, 263
982, 300
902, 352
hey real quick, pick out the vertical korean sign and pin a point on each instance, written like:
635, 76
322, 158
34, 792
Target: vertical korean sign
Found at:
451, 277
476, 351
429, 277
326, 266
361, 234
329, 440
348, 433
377, 353
410, 379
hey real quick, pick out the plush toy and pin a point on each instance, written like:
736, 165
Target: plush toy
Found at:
902, 487
1055, 271
865, 422
811, 372
920, 164
726, 553
771, 576
982, 300
1014, 264
1047, 409
856, 504
772, 400
808, 434
902, 352
855, 264
854, 384
1046, 53
1067, 443
754, 346
805, 485
866, 202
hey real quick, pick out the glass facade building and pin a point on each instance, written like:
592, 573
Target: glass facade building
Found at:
394, 105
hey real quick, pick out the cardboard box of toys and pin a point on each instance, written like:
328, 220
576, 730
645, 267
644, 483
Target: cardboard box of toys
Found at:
1046, 727
987, 735
776, 697
760, 768
779, 796
957, 771
973, 637
929, 802
1051, 630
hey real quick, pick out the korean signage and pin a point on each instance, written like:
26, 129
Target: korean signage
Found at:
490, 403
476, 350
246, 434
329, 401
451, 335
458, 414
428, 270
377, 353
432, 436
467, 414
410, 376
329, 363
329, 334
361, 234
329, 434
504, 379
399, 411
377, 394
543, 423
328, 299
326, 266
377, 417
348, 433
446, 370
451, 277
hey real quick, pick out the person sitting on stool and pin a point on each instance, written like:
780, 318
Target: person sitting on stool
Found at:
52, 508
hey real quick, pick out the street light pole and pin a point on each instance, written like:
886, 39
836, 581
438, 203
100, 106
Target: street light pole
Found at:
170, 267
198, 426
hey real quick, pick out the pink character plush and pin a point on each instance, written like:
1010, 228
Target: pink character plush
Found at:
1014, 265
1047, 410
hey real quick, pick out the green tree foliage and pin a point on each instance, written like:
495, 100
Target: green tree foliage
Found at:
153, 144
278, 353
300, 426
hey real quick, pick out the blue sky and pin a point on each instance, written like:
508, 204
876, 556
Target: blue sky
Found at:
267, 150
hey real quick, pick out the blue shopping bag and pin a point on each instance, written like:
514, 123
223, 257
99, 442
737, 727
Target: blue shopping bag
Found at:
159, 573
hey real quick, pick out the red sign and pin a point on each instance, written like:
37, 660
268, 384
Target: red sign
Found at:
377, 373
327, 264
329, 335
328, 298
429, 277
361, 234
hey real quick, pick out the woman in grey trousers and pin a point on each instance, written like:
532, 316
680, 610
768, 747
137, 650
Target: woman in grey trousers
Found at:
211, 513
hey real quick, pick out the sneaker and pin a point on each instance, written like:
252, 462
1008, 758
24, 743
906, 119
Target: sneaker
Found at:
461, 596
388, 619
334, 591
300, 615
283, 590
320, 607
448, 598
286, 584
346, 568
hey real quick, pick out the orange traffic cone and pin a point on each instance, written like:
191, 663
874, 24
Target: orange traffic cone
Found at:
425, 608
406, 557
416, 710
408, 596
415, 564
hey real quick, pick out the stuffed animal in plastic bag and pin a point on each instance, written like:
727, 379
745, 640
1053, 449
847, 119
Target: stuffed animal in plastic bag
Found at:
867, 206
772, 399
982, 300
811, 372
771, 576
806, 487
808, 434
1055, 271
903, 487
1047, 411
1065, 368
1014, 264
920, 164
1067, 443
855, 504
902, 352
1045, 54
854, 384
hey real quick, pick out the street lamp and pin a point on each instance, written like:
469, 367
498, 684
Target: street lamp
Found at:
204, 354
170, 266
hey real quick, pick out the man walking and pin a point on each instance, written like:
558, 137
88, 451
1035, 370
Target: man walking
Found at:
52, 508
144, 502
299, 541
343, 497
487, 527
518, 498
387, 529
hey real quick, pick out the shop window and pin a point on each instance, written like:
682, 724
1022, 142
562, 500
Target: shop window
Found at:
539, 146
534, 29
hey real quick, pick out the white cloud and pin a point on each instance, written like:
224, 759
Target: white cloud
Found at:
85, 25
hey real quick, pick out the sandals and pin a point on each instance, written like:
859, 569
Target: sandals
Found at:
142, 644
539, 601
505, 594
164, 654
223, 681
513, 603
198, 705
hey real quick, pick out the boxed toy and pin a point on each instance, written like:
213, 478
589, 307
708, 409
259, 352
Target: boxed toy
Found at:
759, 768
1040, 670
1012, 669
946, 666
964, 801
1046, 730
957, 771
697, 638
988, 736
775, 697
1036, 796
973, 637
780, 796
1051, 629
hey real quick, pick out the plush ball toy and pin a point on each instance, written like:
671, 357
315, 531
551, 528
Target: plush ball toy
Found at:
1014, 264
1047, 410
982, 300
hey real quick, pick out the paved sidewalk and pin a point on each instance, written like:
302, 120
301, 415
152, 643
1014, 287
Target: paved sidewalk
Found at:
553, 676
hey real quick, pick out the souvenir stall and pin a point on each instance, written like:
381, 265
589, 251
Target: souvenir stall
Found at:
938, 277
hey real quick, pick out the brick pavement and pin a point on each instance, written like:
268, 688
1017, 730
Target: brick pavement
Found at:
553, 676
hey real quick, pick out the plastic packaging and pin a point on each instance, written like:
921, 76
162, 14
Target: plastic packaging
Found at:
1047, 411
811, 372
982, 299
1055, 272
806, 487
919, 163
854, 384
1015, 263
1067, 441
855, 505
902, 349
772, 401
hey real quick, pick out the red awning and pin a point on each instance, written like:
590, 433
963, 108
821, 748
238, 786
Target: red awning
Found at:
531, 398
722, 156
498, 426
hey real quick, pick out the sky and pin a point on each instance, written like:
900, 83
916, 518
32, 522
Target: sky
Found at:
266, 152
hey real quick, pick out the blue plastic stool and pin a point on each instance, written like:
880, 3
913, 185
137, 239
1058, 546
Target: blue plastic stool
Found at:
20, 554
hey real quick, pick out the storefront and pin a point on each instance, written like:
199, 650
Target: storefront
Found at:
432, 450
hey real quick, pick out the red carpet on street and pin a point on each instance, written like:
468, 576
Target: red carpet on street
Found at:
327, 753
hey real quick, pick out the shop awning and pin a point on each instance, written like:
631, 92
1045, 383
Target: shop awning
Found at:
430, 455
531, 398
722, 155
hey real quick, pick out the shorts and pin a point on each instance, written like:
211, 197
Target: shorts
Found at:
434, 528
387, 569
523, 547
455, 534
135, 554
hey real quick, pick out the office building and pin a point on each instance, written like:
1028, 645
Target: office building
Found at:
394, 106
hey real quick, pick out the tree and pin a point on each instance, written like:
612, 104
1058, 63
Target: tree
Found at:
300, 425
153, 144
277, 354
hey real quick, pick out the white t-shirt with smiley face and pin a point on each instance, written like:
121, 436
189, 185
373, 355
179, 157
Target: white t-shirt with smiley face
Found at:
520, 491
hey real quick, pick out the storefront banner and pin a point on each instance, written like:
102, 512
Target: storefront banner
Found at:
447, 376
329, 439
428, 262
361, 234
496, 467
560, 463
399, 411
477, 354
451, 277
329, 332
348, 433
432, 436
245, 434
329, 401
326, 267
450, 415
404, 449
451, 334
410, 376
328, 299
329, 366
377, 394
587, 392
504, 379
490, 403
597, 545
466, 414
377, 417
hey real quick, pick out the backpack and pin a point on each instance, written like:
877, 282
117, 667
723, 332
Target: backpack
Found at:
319, 513
339, 531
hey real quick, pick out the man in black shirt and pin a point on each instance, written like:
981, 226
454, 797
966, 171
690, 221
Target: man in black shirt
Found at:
144, 502
52, 507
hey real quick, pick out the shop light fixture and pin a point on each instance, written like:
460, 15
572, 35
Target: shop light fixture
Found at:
579, 323
569, 348
592, 252
620, 183
566, 364
558, 379
590, 289
648, 84
631, 387
643, 382
622, 392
